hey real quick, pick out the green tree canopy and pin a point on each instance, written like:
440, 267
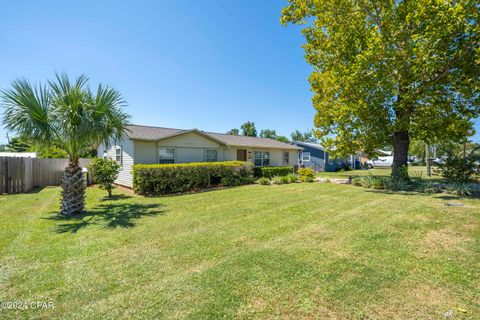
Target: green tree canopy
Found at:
234, 132
389, 71
248, 129
283, 139
19, 144
268, 133
305, 137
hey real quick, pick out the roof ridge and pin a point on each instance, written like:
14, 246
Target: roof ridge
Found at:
157, 127
240, 135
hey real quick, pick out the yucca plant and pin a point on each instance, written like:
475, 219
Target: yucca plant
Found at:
68, 115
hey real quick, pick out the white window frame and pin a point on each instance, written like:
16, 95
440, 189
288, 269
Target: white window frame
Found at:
286, 157
211, 160
264, 158
119, 155
165, 159
306, 157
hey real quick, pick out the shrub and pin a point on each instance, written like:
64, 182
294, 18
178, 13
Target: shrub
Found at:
293, 178
269, 172
371, 182
306, 174
395, 185
459, 169
428, 188
357, 182
178, 178
264, 181
460, 189
104, 172
277, 180
285, 179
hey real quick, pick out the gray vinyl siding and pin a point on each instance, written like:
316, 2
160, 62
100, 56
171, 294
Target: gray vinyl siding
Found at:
125, 174
145, 152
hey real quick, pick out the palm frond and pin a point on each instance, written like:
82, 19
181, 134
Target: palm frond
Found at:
65, 113
26, 110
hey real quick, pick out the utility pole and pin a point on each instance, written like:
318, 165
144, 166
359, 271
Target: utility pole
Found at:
427, 159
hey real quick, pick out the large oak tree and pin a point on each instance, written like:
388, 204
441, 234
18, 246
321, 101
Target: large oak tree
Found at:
389, 71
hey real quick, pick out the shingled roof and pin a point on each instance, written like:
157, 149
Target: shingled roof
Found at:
139, 132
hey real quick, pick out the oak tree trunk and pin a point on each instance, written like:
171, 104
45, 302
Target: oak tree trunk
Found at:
401, 142
73, 189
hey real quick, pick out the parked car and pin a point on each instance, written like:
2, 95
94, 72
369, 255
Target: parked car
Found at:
437, 161
386, 161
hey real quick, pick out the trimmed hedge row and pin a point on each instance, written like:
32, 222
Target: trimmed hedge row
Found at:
177, 178
270, 172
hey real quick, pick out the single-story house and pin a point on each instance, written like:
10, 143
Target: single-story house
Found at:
316, 157
149, 145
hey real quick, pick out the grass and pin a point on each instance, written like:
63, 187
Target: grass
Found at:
413, 171
297, 251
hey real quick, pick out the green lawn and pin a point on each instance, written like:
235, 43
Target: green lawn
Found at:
413, 171
295, 251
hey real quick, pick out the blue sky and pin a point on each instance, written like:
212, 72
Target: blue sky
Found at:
210, 65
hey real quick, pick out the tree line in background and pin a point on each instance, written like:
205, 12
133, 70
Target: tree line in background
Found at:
22, 143
248, 129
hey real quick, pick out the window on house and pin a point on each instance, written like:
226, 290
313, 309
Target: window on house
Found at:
118, 154
166, 155
212, 155
261, 158
105, 154
305, 156
286, 157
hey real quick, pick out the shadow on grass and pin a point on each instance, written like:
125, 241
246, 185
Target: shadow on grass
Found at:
107, 216
116, 197
399, 192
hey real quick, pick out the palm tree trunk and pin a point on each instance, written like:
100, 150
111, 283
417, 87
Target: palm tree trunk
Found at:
73, 189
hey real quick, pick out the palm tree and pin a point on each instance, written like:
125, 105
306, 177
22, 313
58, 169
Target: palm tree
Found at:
68, 115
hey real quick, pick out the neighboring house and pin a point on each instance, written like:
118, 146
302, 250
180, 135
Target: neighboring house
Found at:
19, 154
147, 145
316, 157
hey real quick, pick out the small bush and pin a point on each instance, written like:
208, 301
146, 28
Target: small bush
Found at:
264, 181
293, 178
357, 182
285, 179
460, 189
104, 172
395, 185
428, 188
459, 168
374, 182
178, 178
306, 174
277, 180
270, 172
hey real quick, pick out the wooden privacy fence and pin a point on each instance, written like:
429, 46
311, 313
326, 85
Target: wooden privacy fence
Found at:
19, 175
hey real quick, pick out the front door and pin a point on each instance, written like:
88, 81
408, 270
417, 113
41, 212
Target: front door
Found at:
241, 154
